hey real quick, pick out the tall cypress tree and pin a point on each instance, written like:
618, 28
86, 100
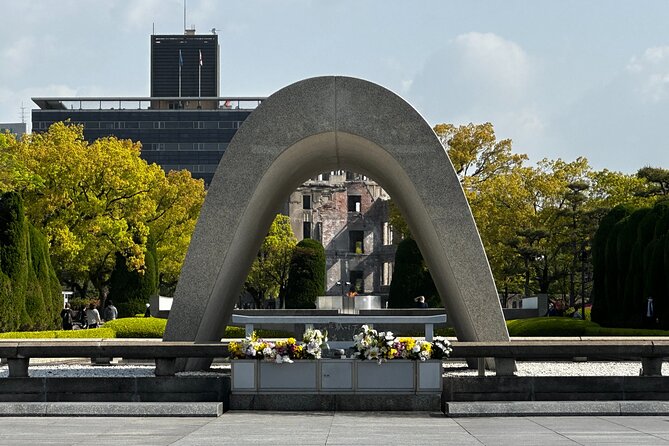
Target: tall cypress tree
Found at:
131, 290
306, 280
411, 278
603, 302
30, 297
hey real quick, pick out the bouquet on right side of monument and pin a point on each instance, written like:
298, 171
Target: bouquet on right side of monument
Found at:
370, 344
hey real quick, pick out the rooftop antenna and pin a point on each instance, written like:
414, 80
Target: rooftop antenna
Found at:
153, 28
213, 30
23, 113
185, 16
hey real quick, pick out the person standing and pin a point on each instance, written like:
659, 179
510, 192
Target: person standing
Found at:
420, 302
111, 312
93, 316
650, 321
66, 317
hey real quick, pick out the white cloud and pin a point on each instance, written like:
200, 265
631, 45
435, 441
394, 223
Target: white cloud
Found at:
650, 74
482, 77
140, 14
497, 64
18, 55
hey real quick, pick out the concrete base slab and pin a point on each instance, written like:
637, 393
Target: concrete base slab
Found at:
554, 408
336, 402
171, 409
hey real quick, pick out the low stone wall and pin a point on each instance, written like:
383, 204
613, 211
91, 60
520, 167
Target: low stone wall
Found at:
139, 389
556, 388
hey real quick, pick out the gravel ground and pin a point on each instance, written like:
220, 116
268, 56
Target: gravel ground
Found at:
452, 368
105, 371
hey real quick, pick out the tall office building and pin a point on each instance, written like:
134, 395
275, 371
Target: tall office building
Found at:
177, 131
184, 65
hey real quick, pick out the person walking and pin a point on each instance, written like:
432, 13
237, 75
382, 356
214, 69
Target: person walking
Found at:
93, 316
66, 317
111, 312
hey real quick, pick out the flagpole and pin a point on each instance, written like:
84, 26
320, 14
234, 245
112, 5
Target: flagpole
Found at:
199, 80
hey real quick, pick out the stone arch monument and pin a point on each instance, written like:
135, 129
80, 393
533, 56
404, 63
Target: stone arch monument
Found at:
317, 125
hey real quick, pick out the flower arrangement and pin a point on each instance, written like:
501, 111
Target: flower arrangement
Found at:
381, 346
311, 347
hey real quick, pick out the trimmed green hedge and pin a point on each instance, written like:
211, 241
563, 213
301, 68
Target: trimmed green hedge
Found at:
564, 326
92, 333
130, 327
138, 327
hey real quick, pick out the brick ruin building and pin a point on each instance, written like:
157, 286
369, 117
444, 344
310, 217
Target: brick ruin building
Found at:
349, 214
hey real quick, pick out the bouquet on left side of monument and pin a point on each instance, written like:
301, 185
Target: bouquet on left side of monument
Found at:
287, 350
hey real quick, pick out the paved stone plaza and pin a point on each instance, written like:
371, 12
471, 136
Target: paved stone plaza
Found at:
399, 428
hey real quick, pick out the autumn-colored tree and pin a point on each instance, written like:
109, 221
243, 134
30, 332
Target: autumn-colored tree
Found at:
93, 201
177, 199
476, 153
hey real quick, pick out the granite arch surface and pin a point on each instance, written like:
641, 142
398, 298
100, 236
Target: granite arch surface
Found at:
322, 124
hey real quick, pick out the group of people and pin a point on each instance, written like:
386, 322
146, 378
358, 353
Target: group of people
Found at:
87, 317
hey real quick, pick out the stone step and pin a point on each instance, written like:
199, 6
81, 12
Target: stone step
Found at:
112, 409
554, 408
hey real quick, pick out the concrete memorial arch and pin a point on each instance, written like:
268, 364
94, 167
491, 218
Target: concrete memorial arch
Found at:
317, 125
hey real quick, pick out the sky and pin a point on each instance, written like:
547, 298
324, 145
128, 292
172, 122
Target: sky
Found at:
562, 79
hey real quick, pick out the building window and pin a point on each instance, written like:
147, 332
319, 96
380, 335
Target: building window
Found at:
306, 229
387, 276
306, 201
357, 281
318, 232
355, 242
387, 234
354, 203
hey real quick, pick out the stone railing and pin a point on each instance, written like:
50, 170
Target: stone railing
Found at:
18, 352
650, 352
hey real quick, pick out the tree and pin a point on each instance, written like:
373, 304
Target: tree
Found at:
271, 267
306, 280
658, 179
93, 201
14, 175
131, 289
475, 152
178, 199
29, 292
411, 278
603, 300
